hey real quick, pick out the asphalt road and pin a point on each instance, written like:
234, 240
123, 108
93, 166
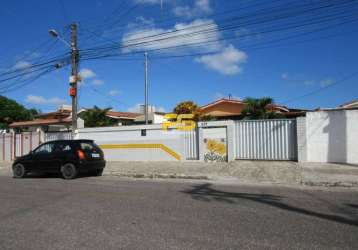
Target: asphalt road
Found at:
112, 213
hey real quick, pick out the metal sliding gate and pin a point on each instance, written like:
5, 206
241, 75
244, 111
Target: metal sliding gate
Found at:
266, 139
191, 151
52, 136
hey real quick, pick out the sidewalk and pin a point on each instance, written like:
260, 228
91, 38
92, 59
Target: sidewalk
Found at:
317, 174
276, 172
243, 171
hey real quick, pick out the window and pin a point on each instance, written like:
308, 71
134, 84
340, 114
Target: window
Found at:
88, 147
45, 149
62, 147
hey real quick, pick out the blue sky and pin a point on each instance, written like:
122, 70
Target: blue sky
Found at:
285, 71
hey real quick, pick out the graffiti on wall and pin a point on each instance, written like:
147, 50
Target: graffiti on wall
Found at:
215, 150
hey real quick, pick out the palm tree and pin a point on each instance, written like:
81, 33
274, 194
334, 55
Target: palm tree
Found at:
258, 108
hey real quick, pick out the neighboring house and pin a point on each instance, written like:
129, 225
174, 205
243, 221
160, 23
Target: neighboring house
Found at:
59, 120
153, 118
123, 118
349, 105
224, 109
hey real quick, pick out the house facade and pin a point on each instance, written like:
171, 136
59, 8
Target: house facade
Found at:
60, 120
231, 109
349, 105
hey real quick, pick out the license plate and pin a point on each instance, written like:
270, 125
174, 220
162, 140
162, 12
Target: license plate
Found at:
95, 155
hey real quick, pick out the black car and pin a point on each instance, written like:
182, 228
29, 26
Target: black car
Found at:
68, 157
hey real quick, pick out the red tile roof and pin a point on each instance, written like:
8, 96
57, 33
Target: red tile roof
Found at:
220, 101
123, 115
40, 122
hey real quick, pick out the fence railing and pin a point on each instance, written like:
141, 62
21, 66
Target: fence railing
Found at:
52, 136
13, 145
266, 139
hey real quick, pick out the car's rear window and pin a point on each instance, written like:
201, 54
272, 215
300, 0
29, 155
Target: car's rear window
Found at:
88, 146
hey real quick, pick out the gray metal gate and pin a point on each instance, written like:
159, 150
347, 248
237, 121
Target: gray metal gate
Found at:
52, 136
266, 139
191, 145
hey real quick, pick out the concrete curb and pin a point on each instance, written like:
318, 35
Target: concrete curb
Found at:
330, 184
159, 176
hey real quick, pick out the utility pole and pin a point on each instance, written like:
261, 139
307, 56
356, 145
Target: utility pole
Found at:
74, 75
146, 87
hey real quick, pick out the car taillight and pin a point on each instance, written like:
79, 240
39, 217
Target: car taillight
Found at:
81, 154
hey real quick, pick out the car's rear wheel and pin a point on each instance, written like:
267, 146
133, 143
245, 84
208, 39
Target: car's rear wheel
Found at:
19, 171
69, 171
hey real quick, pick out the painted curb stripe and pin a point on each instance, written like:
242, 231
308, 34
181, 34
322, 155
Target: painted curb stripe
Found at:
141, 146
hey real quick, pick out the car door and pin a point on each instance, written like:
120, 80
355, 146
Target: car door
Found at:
43, 157
61, 154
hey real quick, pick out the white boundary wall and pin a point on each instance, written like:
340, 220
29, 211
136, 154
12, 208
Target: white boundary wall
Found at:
329, 136
142, 143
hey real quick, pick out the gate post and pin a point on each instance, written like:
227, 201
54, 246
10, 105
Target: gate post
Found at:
230, 132
301, 139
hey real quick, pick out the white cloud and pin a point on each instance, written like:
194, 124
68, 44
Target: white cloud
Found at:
300, 80
81, 84
141, 21
188, 38
326, 82
87, 74
284, 76
135, 108
33, 99
161, 109
97, 82
176, 36
200, 7
114, 92
22, 65
226, 62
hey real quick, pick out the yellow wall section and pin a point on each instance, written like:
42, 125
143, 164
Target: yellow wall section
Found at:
141, 146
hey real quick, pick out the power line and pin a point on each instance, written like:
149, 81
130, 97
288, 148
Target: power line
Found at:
282, 13
97, 55
143, 43
338, 82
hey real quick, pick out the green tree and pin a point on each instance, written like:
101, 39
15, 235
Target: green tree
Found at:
190, 107
186, 107
97, 117
258, 108
11, 111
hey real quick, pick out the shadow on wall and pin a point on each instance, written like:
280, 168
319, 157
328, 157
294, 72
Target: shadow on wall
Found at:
206, 193
337, 137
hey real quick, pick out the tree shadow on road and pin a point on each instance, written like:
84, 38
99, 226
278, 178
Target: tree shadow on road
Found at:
205, 192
